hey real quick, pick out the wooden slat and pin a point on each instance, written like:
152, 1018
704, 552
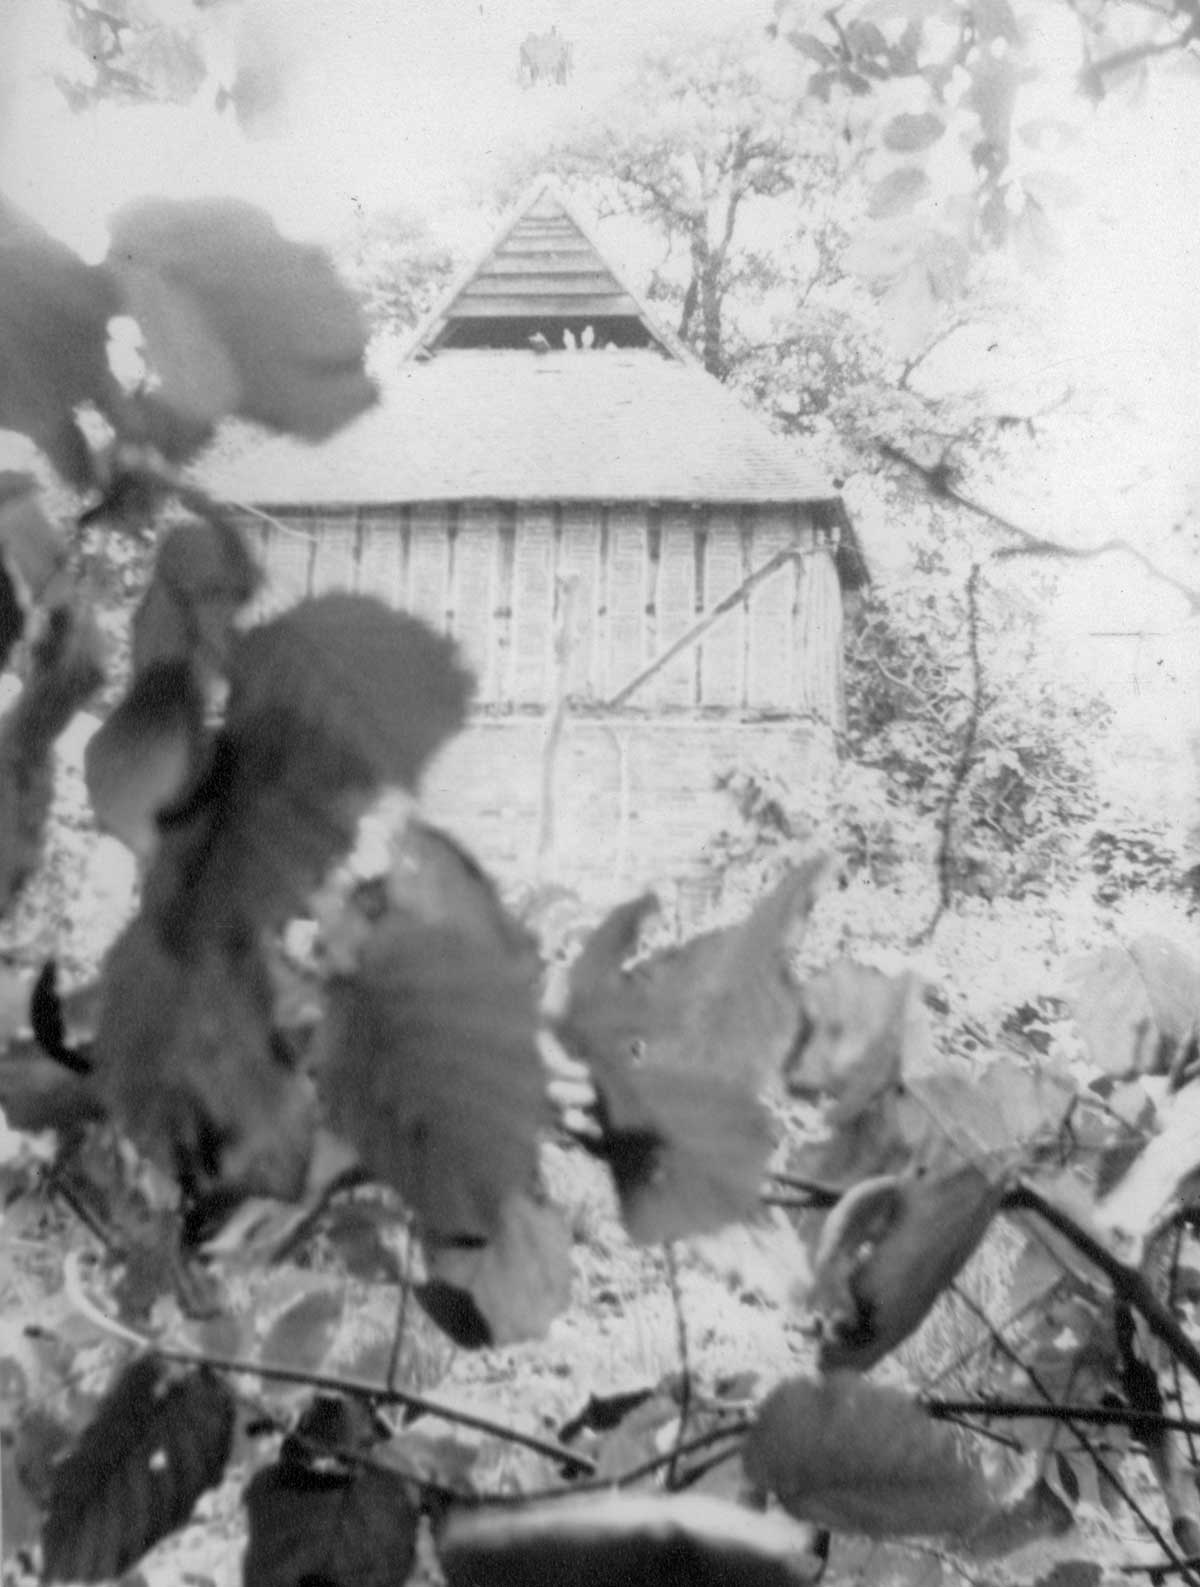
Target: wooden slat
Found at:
333, 558
771, 640
474, 594
819, 640
288, 568
543, 247
676, 684
541, 267
533, 596
497, 308
721, 680
549, 285
626, 593
381, 557
579, 555
427, 566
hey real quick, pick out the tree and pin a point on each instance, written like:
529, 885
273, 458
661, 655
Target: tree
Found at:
694, 145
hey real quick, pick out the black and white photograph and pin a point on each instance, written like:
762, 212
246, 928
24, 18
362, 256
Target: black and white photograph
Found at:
600, 793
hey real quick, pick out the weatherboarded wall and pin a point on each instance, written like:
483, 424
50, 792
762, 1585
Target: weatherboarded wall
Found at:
495, 577
636, 791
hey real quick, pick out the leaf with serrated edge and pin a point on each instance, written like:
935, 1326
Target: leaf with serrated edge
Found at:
858, 1457
159, 1439
432, 1071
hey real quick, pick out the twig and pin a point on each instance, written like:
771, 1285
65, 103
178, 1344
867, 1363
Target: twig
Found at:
685, 1364
962, 766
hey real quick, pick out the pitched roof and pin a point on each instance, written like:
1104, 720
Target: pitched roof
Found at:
563, 426
543, 265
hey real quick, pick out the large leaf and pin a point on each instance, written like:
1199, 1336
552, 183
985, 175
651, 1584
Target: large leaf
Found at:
1160, 1179
909, 133
188, 1062
432, 1071
857, 1457
66, 672
888, 1250
238, 319
54, 314
859, 1026
687, 1149
509, 1290
600, 1540
726, 1003
144, 754
158, 1440
317, 1515
203, 576
1139, 1007
329, 702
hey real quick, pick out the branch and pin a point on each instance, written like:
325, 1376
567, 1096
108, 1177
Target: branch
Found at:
938, 479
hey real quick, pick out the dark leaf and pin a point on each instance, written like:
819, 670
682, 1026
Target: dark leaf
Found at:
301, 1337
908, 133
887, 1252
456, 1313
66, 672
439, 883
520, 1280
337, 1525
144, 754
897, 192
158, 1440
688, 1540
48, 1024
328, 703
238, 319
687, 1150
433, 1073
203, 576
724, 1004
812, 48
604, 1412
187, 1060
858, 1457
54, 314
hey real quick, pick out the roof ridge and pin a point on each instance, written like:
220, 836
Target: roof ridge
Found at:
545, 185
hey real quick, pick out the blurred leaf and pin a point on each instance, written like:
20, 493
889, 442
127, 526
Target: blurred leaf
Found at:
143, 755
724, 1004
1138, 1007
301, 1336
238, 319
158, 1440
203, 576
187, 1061
329, 702
432, 1071
519, 1281
54, 314
908, 133
65, 672
887, 1252
687, 1149
858, 1457
897, 192
314, 1519
859, 1024
602, 1539
909, 309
